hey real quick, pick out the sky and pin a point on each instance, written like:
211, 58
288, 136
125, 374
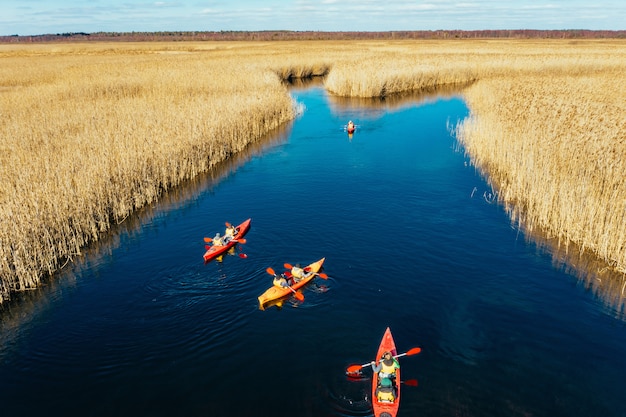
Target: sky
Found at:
36, 17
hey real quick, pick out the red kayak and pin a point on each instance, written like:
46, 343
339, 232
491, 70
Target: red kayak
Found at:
215, 251
386, 408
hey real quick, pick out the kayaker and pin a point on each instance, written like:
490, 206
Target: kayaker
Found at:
386, 367
280, 281
350, 125
385, 391
230, 231
297, 273
217, 240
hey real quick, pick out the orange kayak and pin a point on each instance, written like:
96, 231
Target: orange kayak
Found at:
275, 293
215, 251
386, 409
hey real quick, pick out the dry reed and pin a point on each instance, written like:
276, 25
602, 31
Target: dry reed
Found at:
89, 133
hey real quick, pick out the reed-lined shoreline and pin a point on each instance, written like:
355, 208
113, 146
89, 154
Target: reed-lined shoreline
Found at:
92, 132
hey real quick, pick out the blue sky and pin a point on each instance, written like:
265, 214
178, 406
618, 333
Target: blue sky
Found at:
33, 17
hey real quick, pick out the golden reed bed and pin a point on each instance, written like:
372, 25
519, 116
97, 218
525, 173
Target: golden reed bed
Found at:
90, 133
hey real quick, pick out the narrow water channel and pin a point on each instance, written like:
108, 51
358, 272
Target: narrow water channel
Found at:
143, 327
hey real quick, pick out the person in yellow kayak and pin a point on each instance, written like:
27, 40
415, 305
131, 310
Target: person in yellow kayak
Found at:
280, 281
297, 273
385, 392
386, 367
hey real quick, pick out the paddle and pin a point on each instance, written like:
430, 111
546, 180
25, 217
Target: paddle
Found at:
360, 377
322, 275
242, 241
356, 368
299, 295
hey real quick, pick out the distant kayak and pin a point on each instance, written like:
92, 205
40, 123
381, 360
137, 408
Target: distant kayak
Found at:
215, 251
274, 292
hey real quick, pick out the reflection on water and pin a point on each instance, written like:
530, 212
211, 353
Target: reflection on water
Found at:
377, 107
607, 284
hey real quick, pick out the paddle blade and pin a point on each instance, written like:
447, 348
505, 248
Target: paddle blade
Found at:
411, 382
353, 369
207, 247
287, 266
208, 239
242, 241
243, 255
414, 351
299, 296
227, 224
324, 276
270, 271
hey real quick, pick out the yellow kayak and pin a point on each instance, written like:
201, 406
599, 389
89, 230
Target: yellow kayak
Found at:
275, 293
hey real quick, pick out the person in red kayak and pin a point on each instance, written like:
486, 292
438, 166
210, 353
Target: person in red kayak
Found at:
350, 125
230, 232
217, 240
386, 367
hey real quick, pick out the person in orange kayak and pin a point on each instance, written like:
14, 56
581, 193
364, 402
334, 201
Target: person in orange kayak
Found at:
350, 125
297, 273
386, 367
385, 391
280, 281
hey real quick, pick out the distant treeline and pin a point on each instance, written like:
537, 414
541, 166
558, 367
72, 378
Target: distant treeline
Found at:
279, 35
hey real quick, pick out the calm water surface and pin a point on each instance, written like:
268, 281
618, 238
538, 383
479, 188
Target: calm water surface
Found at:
143, 328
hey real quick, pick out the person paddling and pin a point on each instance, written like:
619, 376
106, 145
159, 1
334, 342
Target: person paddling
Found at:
230, 231
387, 366
280, 281
217, 240
297, 273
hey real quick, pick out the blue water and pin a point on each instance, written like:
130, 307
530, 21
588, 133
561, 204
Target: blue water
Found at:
141, 326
